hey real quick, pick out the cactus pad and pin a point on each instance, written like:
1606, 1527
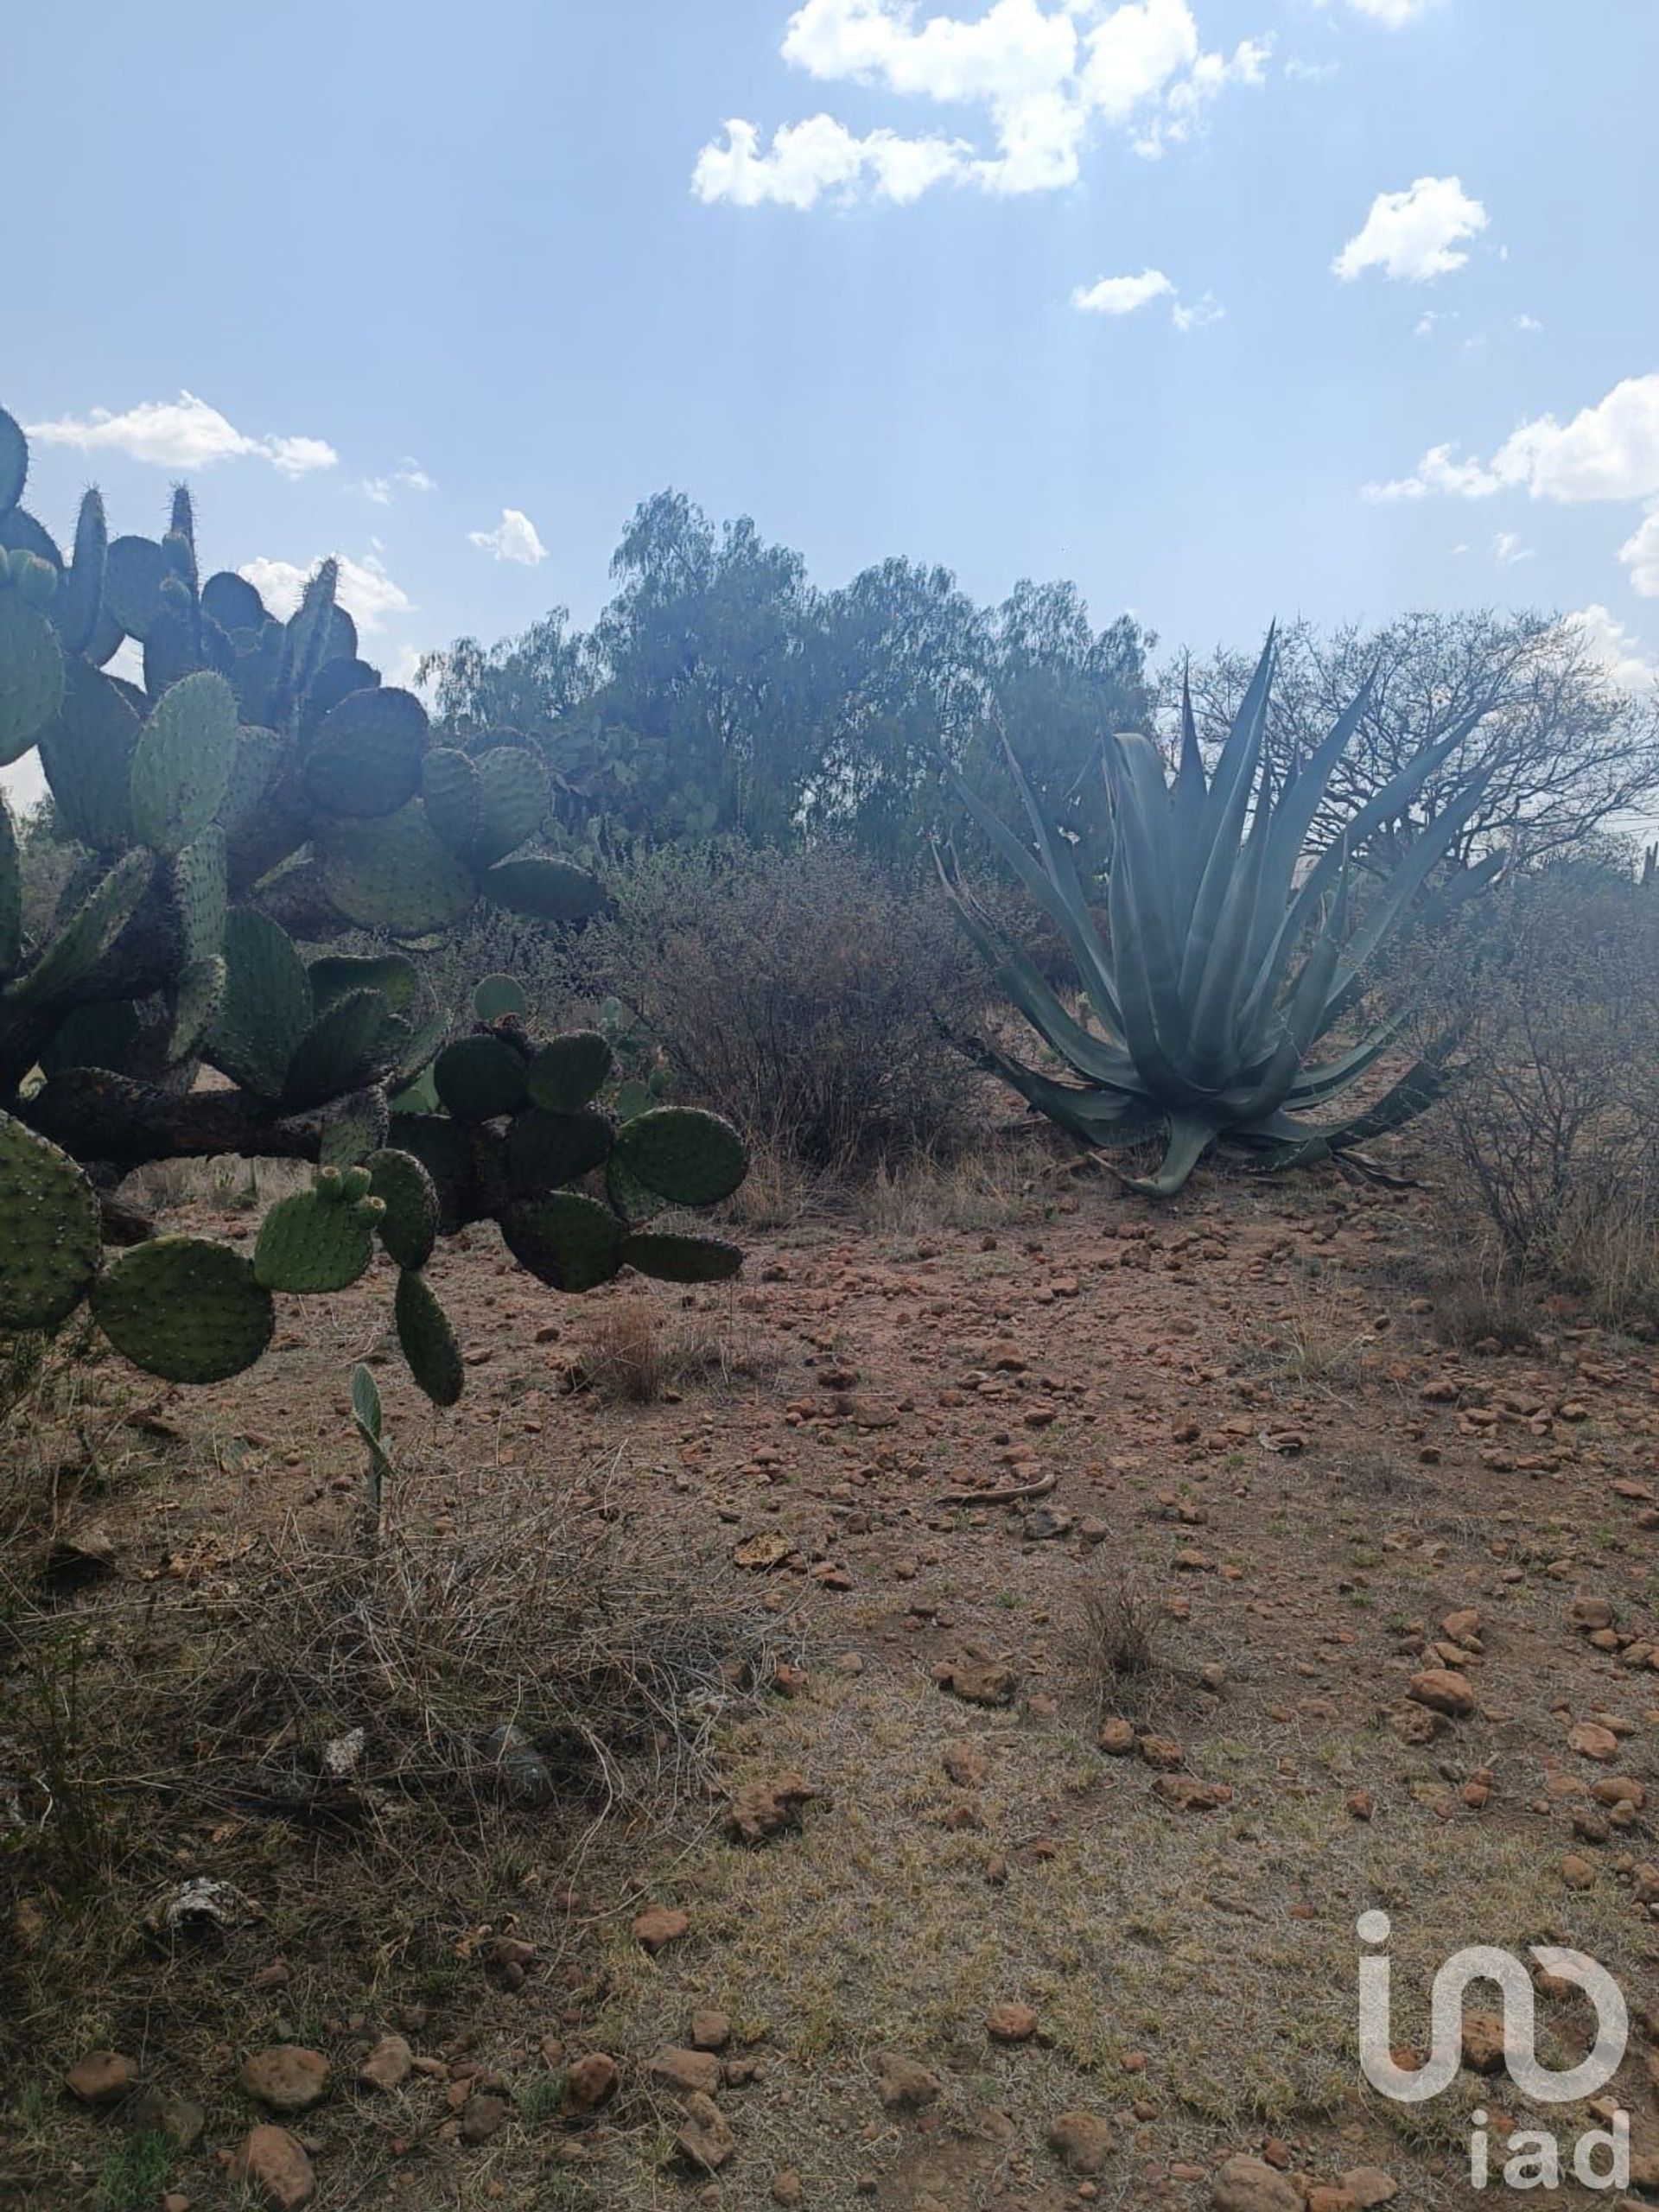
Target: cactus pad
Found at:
366, 757
31, 675
496, 995
185, 1309
232, 601
80, 598
343, 1048
267, 1007
688, 1156
132, 584
511, 801
390, 973
196, 1002
445, 1149
547, 1150
181, 764
14, 462
314, 1242
48, 1230
569, 1241
197, 893
99, 1035
566, 1073
86, 751
478, 1077
82, 943
427, 1341
450, 794
545, 890
629, 1196
408, 1227
394, 874
681, 1259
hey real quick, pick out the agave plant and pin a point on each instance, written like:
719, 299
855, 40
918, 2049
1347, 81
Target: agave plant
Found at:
1229, 954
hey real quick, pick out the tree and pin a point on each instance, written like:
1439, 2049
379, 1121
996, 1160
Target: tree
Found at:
263, 770
719, 691
1567, 750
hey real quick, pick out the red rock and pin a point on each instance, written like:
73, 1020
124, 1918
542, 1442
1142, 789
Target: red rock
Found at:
659, 1924
589, 2082
103, 2077
1442, 1690
273, 2167
286, 2078
1010, 2023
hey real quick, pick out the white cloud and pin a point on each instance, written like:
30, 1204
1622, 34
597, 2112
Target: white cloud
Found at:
184, 433
1197, 315
1412, 236
366, 591
1509, 551
1640, 555
513, 539
807, 159
1626, 660
1527, 322
1123, 295
1609, 451
1393, 15
1044, 74
408, 476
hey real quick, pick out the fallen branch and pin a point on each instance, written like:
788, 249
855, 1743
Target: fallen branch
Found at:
1016, 1495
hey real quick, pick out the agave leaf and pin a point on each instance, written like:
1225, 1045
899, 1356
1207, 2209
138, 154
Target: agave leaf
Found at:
1191, 1136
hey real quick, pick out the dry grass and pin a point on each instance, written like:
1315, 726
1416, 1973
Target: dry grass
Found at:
989, 1189
634, 1349
1119, 1617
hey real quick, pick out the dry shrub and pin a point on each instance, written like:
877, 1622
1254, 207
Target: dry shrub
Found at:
1553, 1127
802, 993
986, 1189
634, 1348
1120, 1617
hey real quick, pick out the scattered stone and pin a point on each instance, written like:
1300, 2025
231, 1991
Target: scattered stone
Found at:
1370, 2186
1442, 1690
1081, 2141
1162, 1752
1592, 1741
482, 2116
904, 2084
687, 2072
659, 1924
1360, 1803
589, 2082
387, 2066
786, 2188
155, 2111
770, 1549
1482, 2041
287, 2077
1010, 2023
1116, 1738
981, 1682
710, 2031
1185, 1793
1247, 2185
705, 2141
103, 2077
762, 1810
272, 2165
965, 1763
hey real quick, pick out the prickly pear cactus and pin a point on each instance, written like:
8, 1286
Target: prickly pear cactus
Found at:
258, 793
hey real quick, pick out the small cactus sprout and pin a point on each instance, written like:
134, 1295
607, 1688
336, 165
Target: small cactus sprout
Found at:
259, 793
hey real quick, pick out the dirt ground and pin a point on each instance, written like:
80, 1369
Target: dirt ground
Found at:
1266, 1458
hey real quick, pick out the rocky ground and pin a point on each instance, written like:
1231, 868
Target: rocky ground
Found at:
936, 1907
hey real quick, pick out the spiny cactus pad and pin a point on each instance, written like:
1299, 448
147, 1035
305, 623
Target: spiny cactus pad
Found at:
181, 764
79, 946
566, 1073
512, 802
427, 1341
681, 1259
311, 1242
11, 893
365, 758
547, 1150
268, 1004
569, 1241
86, 752
31, 675
132, 584
343, 1048
337, 974
688, 1156
394, 874
408, 1227
479, 1078
48, 1230
14, 461
545, 890
630, 1198
185, 1309
496, 995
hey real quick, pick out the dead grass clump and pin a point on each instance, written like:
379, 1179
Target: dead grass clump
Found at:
983, 1189
1120, 1618
1478, 1295
636, 1349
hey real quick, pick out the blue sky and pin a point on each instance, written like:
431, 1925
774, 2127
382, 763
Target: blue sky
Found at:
1225, 309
